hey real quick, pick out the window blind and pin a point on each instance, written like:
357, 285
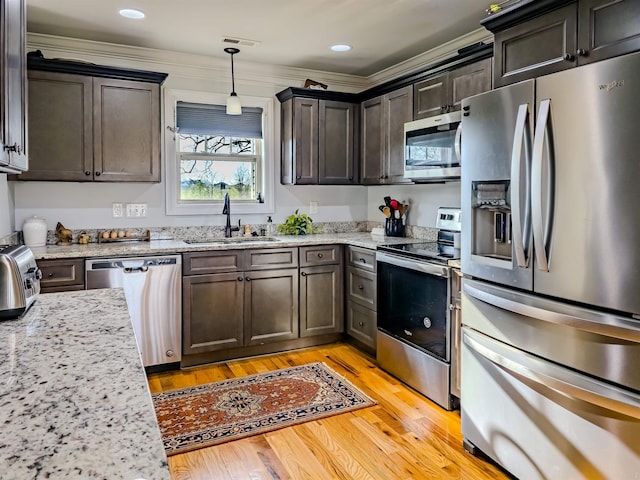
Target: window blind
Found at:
204, 119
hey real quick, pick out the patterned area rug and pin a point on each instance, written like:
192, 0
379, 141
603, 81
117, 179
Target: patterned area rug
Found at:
205, 415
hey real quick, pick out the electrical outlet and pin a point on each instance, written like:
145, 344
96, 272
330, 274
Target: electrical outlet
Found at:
118, 210
136, 209
313, 207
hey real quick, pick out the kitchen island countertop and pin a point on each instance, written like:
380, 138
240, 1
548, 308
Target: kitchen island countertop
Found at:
359, 239
74, 400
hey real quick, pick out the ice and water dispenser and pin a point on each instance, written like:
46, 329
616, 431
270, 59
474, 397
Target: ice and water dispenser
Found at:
491, 219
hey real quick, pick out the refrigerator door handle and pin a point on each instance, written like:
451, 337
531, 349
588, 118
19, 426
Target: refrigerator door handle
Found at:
535, 372
614, 327
457, 143
520, 233
540, 233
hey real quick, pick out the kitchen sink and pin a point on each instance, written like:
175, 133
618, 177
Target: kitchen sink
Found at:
232, 240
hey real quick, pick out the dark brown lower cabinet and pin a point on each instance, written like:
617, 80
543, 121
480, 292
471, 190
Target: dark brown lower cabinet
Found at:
321, 300
271, 306
213, 312
229, 310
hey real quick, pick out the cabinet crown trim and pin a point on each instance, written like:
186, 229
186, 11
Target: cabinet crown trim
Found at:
36, 62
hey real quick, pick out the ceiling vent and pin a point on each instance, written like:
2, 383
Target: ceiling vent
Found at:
240, 42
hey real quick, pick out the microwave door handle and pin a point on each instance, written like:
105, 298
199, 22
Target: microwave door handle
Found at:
457, 143
541, 228
519, 231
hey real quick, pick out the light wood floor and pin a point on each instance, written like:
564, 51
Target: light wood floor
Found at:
405, 436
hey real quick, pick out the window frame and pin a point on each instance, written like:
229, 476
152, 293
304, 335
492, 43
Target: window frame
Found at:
172, 165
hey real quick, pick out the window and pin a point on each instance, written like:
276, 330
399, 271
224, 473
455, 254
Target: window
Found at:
209, 153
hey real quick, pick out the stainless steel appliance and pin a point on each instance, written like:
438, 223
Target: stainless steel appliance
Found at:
152, 287
551, 329
432, 148
414, 337
19, 280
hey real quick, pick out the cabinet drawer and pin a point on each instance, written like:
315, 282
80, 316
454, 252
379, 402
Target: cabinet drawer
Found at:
268, 258
362, 287
362, 258
320, 255
212, 262
61, 275
361, 324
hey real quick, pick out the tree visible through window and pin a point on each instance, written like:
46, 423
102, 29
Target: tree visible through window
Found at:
212, 165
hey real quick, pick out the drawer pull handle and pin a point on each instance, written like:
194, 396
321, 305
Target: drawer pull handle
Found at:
360, 287
363, 260
361, 324
320, 255
304, 274
50, 275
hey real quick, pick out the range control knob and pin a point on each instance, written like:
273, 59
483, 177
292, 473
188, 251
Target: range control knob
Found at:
169, 353
426, 321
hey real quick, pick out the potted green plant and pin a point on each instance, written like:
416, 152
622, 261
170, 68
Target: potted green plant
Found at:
296, 224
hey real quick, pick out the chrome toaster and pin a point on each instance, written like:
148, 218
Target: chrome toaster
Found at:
19, 280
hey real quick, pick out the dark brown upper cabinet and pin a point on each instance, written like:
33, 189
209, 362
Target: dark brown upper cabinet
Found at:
317, 136
382, 136
13, 95
443, 92
547, 36
100, 125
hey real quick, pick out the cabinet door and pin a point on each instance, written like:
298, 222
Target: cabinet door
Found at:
336, 164
126, 131
271, 306
431, 96
212, 312
305, 140
13, 95
607, 28
321, 300
398, 111
543, 45
372, 141
60, 133
469, 80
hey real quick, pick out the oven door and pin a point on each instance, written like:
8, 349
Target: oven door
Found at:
413, 303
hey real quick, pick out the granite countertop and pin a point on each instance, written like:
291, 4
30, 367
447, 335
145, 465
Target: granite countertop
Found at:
360, 239
74, 400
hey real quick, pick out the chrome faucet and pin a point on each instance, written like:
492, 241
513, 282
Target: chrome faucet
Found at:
226, 210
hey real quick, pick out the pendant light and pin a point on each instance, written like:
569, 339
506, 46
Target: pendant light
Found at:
233, 102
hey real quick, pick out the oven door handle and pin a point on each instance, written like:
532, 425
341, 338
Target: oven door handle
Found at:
413, 264
533, 371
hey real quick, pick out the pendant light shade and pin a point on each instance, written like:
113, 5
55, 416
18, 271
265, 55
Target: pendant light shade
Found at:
234, 107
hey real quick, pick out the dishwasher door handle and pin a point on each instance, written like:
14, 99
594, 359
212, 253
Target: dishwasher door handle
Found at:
135, 269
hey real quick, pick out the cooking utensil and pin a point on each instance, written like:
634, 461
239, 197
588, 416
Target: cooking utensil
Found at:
381, 208
387, 212
387, 201
393, 204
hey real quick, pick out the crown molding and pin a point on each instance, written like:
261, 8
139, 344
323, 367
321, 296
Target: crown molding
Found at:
430, 57
187, 66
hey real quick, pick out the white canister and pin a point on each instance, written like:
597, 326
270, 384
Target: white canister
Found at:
34, 231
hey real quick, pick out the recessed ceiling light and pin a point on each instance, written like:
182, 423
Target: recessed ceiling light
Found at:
131, 13
340, 48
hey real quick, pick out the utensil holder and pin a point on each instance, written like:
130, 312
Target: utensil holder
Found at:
393, 227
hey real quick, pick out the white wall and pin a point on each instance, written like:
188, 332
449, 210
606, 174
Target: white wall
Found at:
89, 205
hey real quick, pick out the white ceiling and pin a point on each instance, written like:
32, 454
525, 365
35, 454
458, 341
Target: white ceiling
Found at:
293, 33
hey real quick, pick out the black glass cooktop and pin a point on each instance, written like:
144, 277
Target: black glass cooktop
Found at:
432, 251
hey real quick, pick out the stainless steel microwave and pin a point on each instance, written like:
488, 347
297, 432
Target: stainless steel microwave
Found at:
432, 148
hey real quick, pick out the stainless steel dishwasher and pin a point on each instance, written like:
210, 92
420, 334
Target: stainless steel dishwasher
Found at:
152, 287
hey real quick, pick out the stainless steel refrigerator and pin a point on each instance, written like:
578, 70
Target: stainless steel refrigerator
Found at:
551, 258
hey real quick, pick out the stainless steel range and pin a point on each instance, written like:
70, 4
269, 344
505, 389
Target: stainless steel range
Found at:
415, 301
